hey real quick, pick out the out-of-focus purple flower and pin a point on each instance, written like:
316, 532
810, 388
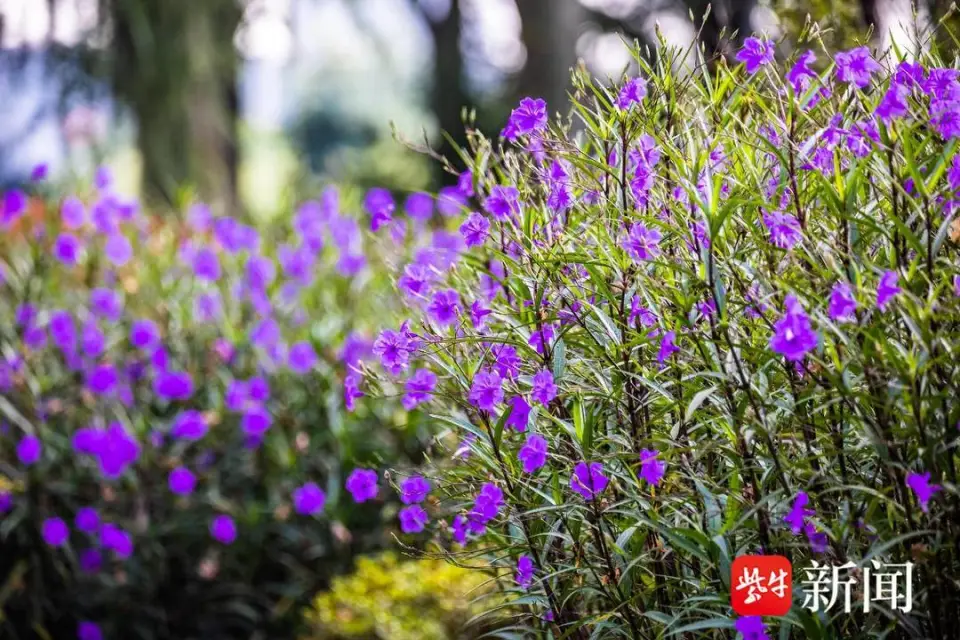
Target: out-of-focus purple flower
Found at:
459, 528
118, 249
530, 117
103, 379
260, 272
72, 213
114, 538
89, 631
651, 469
755, 53
856, 66
784, 229
519, 414
451, 201
887, 289
507, 362
478, 314
6, 502
87, 520
525, 571
414, 490
798, 512
533, 453
544, 389
91, 560
475, 230
588, 480
189, 425
419, 388
29, 450
818, 539
301, 358
362, 485
956, 286
793, 335
55, 532
223, 529
144, 334
199, 217
13, 205
173, 385
487, 390
206, 264
309, 499
751, 628
256, 421
633, 92
419, 206
487, 504
843, 305
919, 483
66, 249
667, 347
416, 280
503, 202
413, 519
642, 243
106, 304
116, 450
351, 391
444, 307
182, 481
380, 205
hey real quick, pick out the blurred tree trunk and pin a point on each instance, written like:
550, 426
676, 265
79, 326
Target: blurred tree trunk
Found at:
550, 33
174, 64
903, 23
448, 96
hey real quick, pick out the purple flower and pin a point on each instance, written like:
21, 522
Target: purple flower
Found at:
351, 392
87, 520
519, 414
255, 422
478, 314
379, 204
638, 312
487, 505
945, 118
182, 481
301, 358
633, 92
956, 286
667, 347
118, 249
309, 499
856, 66
55, 532
533, 453
818, 540
540, 339
414, 490
206, 264
894, 103
525, 571
89, 631
106, 304
13, 205
919, 483
144, 334
444, 307
475, 230
755, 53
465, 183
6, 502
419, 206
507, 361
544, 390
487, 390
751, 628
798, 512
784, 229
419, 388
800, 74
189, 425
72, 213
528, 118
793, 335
588, 479
362, 485
842, 303
116, 450
91, 560
503, 202
29, 450
887, 289
413, 519
173, 385
642, 243
394, 350
223, 529
67, 249
651, 469
451, 201
114, 538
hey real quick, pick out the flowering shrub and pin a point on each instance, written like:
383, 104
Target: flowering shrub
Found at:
715, 318
173, 441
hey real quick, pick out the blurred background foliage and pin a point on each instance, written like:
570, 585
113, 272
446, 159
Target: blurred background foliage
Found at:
251, 105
